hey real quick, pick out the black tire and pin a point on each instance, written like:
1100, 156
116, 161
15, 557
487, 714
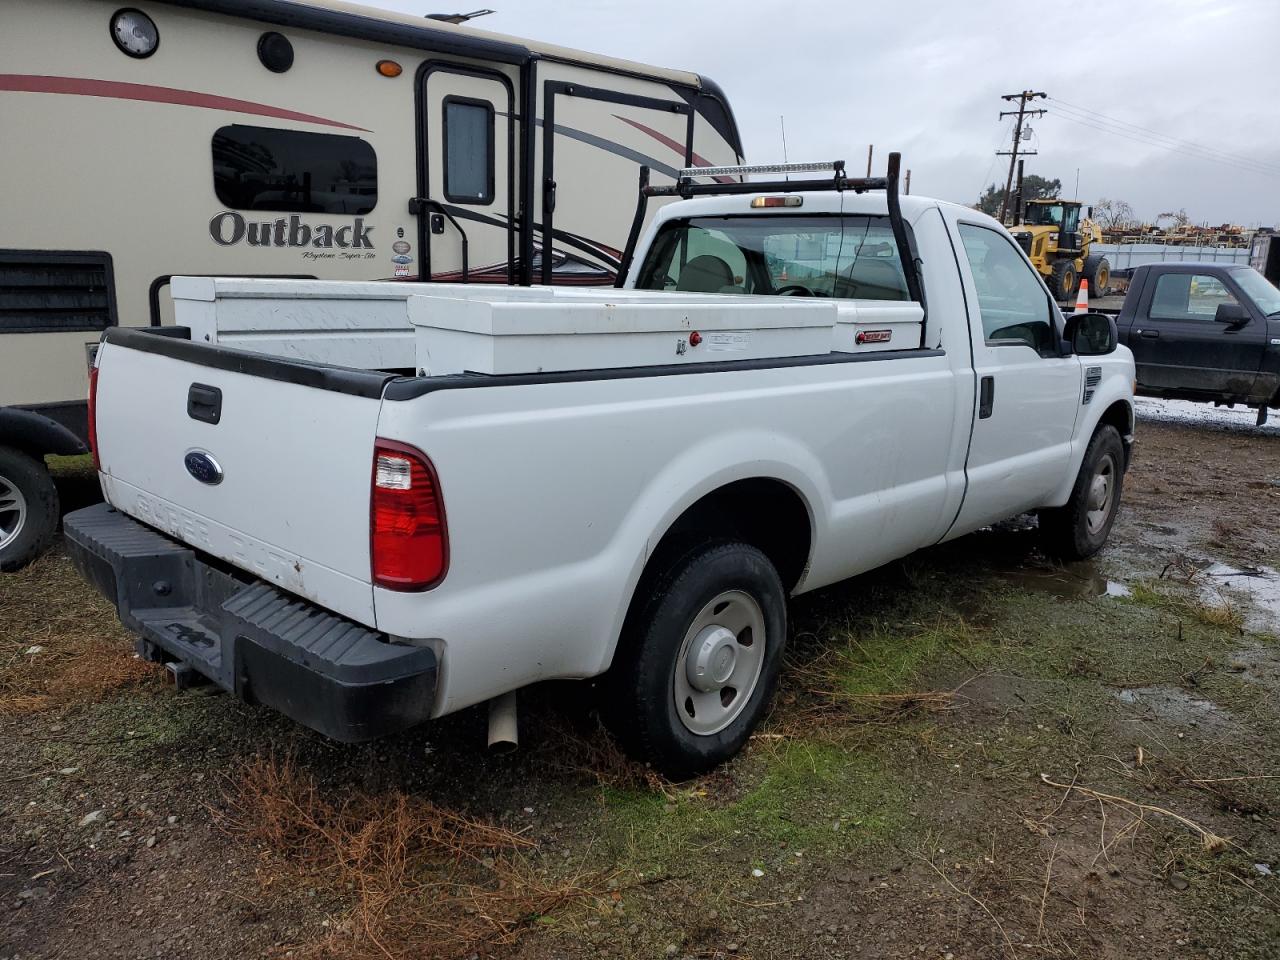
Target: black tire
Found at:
1063, 280
1077, 530
642, 685
1097, 271
28, 509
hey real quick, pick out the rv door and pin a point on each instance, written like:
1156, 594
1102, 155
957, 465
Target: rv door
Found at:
466, 213
591, 162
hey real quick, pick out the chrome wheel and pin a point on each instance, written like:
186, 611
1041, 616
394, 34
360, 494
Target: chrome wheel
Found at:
13, 512
719, 663
1102, 491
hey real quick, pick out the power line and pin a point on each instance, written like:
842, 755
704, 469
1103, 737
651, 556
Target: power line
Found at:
1172, 144
1168, 143
1023, 98
1114, 121
1248, 166
986, 177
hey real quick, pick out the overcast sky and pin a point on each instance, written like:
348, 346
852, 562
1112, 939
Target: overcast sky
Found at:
925, 78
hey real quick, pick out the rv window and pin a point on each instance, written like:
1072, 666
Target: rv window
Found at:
468, 150
263, 168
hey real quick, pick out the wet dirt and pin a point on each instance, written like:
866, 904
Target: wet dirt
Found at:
1176, 708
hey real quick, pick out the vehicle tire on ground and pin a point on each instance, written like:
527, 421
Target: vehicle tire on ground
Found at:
1098, 272
1077, 530
28, 509
699, 658
1063, 280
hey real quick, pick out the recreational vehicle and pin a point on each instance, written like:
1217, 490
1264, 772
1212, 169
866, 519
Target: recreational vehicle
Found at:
282, 138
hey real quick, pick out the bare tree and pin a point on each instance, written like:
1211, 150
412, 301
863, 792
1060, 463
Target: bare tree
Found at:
1114, 214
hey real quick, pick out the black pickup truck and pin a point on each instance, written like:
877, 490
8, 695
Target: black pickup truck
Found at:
1204, 331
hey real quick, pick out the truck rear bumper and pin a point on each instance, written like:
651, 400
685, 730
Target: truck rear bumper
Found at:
266, 646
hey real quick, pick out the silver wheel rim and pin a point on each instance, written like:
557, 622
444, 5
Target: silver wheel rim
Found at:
719, 663
1102, 491
13, 511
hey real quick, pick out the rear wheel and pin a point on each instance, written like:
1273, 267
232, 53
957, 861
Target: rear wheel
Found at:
1098, 272
699, 659
1063, 280
28, 509
1077, 530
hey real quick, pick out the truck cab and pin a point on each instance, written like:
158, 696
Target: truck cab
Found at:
1204, 331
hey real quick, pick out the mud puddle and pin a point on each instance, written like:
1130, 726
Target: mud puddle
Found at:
1076, 581
1260, 586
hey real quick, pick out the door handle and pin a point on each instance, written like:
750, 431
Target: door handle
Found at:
1149, 334
986, 397
204, 403
549, 196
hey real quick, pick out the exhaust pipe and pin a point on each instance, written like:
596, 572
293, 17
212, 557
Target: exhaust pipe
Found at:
504, 734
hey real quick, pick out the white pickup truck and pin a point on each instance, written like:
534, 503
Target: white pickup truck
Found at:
502, 485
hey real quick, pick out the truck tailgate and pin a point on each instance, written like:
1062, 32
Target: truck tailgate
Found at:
260, 462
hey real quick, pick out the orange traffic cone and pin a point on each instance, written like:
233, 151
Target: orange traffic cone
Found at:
1082, 298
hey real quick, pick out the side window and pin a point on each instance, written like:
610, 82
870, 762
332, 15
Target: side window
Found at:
468, 150
1188, 296
264, 168
1013, 305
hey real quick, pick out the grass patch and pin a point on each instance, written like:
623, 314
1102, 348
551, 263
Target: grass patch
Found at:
1217, 610
816, 797
62, 643
78, 467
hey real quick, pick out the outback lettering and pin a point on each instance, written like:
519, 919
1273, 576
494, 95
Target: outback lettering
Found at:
229, 228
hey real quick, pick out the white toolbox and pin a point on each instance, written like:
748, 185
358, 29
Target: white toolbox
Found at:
556, 330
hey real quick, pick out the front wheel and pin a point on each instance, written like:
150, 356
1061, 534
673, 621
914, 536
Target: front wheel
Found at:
1098, 272
699, 659
28, 509
1063, 280
1077, 530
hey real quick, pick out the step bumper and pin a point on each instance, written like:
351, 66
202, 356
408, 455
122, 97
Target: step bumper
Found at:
266, 646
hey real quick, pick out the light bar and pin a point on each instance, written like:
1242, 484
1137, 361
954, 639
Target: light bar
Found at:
747, 169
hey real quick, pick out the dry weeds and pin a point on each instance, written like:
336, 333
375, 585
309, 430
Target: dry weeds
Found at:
425, 882
61, 642
593, 756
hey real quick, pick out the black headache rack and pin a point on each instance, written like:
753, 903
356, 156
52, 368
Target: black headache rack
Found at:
685, 188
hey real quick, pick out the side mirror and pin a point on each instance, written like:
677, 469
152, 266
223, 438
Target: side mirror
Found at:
1232, 314
1091, 334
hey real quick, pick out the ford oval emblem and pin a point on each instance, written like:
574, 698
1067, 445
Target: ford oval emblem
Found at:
203, 467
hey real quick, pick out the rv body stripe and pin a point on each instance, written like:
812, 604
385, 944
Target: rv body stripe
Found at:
119, 90
676, 145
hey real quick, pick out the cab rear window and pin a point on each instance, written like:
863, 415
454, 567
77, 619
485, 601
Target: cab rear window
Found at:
849, 257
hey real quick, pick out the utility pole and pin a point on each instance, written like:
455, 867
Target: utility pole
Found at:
1023, 98
870, 148
907, 190
1017, 211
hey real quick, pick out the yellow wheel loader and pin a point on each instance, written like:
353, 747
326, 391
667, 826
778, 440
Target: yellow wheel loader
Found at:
1060, 244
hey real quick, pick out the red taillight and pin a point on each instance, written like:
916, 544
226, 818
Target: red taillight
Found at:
93, 416
408, 540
